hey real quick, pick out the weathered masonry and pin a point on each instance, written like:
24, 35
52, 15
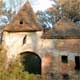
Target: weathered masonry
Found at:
56, 51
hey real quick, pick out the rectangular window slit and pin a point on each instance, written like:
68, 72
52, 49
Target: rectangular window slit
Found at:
64, 59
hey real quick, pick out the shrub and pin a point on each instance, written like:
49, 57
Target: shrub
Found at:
15, 70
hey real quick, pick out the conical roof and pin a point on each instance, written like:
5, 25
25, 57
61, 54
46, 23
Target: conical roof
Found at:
25, 20
64, 28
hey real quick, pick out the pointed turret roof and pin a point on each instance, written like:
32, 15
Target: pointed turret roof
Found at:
64, 28
25, 20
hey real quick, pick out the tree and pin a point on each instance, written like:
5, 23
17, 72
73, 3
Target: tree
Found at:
45, 18
69, 8
5, 13
1, 7
48, 17
61, 8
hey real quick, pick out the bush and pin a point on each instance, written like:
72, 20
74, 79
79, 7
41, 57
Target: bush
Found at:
15, 70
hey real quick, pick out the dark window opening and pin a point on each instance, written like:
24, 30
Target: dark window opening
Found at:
64, 59
77, 63
24, 39
21, 21
65, 76
31, 62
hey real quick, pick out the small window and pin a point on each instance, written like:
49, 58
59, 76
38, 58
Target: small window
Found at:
24, 39
21, 21
77, 63
64, 59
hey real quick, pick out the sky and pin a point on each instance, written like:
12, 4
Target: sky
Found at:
42, 5
36, 4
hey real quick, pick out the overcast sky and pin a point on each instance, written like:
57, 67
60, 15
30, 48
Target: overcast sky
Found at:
36, 4
42, 4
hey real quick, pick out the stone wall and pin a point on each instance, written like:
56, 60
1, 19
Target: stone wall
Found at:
19, 42
13, 43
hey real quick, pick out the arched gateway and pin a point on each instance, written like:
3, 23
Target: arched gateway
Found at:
31, 62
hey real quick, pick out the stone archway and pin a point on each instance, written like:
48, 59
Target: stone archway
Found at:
31, 62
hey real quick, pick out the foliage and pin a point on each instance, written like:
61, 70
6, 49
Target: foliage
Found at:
1, 7
48, 17
15, 70
4, 12
45, 18
69, 8
61, 8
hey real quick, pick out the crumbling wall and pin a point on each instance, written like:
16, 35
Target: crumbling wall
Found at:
47, 49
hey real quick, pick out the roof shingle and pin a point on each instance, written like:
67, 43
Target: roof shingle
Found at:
25, 20
63, 29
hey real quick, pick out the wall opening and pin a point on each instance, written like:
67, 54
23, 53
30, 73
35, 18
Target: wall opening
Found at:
21, 22
65, 76
77, 63
31, 62
24, 39
64, 59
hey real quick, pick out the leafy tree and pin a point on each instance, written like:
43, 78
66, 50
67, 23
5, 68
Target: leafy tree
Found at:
48, 17
44, 18
4, 12
69, 8
61, 8
1, 7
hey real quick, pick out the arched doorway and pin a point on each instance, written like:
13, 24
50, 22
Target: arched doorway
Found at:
31, 62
